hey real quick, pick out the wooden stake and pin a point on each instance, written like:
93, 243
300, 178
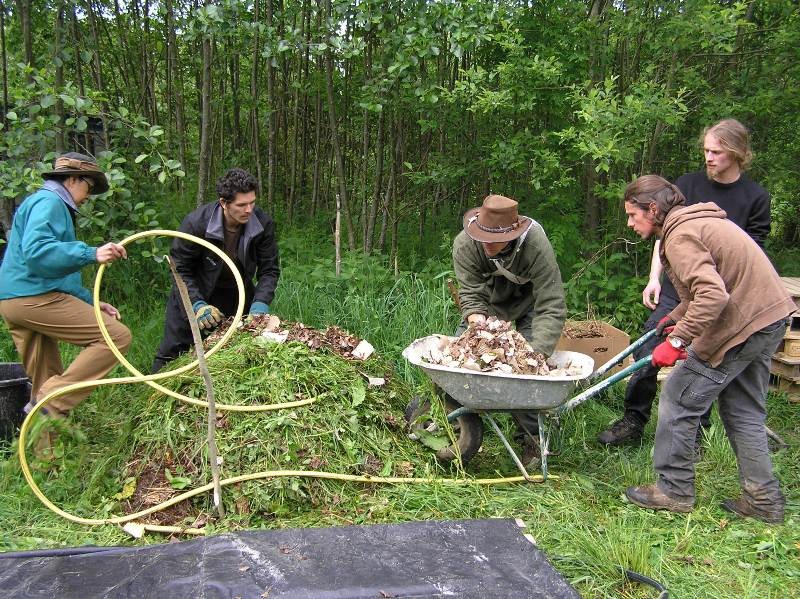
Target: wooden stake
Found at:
203, 366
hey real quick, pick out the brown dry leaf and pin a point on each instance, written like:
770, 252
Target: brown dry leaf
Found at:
405, 469
242, 505
372, 465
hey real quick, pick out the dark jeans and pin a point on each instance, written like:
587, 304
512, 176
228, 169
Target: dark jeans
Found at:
525, 420
739, 384
641, 389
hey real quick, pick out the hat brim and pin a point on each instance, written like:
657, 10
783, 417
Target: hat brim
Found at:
99, 178
471, 229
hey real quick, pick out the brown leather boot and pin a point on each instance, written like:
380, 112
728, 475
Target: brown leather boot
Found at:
625, 430
742, 507
653, 498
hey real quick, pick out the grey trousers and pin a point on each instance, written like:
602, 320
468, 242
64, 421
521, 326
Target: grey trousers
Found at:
739, 384
526, 421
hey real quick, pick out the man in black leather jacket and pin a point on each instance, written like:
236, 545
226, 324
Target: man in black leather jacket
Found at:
247, 235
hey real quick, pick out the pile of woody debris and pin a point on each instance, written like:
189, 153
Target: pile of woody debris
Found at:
491, 346
270, 327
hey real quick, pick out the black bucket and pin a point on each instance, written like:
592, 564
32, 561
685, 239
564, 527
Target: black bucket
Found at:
15, 391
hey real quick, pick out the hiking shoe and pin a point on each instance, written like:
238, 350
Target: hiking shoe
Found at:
625, 430
742, 507
653, 498
531, 453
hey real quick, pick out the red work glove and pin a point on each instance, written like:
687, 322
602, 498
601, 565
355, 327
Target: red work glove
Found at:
666, 355
665, 326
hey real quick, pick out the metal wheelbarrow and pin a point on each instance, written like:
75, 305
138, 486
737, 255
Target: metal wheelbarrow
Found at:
471, 396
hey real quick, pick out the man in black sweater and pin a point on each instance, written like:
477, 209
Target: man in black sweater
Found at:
726, 147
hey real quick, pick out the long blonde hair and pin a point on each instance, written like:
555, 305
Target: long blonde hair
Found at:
734, 139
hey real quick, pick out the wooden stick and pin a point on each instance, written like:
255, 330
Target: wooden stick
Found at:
203, 366
775, 437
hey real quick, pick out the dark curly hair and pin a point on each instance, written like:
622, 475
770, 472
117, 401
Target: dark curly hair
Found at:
235, 180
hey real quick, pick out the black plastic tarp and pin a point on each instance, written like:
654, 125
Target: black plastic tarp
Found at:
464, 558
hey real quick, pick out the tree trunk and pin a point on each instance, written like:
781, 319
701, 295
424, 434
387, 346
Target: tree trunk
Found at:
58, 84
387, 199
337, 150
4, 60
647, 167
271, 118
174, 80
97, 70
24, 10
295, 128
315, 186
205, 122
255, 129
76, 37
592, 206
235, 100
376, 186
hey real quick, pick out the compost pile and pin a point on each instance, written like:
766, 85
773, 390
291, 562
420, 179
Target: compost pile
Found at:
355, 425
492, 346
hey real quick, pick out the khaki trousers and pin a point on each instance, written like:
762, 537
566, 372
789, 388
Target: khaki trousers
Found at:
37, 323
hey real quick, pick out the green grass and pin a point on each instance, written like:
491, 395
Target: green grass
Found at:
580, 519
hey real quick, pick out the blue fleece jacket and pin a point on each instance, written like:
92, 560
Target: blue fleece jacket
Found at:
43, 254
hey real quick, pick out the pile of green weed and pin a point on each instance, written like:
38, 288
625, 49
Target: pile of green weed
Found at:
351, 428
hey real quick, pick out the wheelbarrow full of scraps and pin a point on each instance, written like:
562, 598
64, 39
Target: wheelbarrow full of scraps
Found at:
471, 396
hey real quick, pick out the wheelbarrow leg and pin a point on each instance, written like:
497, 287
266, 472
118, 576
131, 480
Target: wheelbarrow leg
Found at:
510, 450
544, 441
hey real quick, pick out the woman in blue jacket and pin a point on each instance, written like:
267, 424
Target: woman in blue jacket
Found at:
42, 299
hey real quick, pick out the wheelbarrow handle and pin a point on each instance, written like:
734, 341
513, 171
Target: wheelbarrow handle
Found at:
605, 384
621, 355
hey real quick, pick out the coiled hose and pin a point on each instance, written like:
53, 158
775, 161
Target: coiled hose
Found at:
152, 380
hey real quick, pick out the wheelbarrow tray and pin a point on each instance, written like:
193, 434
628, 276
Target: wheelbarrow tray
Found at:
496, 390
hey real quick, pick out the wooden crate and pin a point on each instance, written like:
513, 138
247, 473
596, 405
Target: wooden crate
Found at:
785, 385
793, 328
792, 285
789, 347
785, 366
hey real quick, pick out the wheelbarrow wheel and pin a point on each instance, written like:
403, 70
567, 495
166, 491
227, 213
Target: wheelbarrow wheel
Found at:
468, 429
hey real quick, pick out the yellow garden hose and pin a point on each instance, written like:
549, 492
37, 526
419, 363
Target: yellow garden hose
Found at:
138, 377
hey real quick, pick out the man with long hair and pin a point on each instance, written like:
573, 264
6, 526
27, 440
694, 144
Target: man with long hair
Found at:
731, 317
726, 147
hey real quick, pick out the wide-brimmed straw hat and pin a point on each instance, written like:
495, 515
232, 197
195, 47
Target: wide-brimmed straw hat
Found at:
73, 164
495, 221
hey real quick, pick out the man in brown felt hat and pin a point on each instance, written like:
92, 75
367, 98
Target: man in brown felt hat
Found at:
42, 298
506, 268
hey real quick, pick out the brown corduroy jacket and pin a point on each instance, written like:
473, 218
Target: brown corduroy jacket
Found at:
727, 285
